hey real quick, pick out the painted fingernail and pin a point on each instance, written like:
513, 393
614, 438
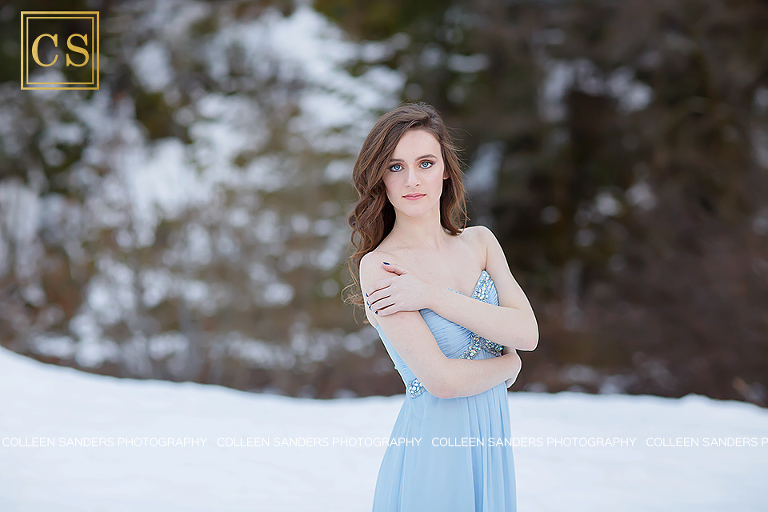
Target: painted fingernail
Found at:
366, 294
386, 263
376, 312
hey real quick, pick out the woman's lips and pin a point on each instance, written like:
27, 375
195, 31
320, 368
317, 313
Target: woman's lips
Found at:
414, 196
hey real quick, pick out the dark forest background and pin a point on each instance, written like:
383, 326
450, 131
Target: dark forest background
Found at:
617, 149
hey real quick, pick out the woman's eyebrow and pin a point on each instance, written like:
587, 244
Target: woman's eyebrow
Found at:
422, 156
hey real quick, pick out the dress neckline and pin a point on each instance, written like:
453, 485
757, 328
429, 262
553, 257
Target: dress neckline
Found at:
477, 283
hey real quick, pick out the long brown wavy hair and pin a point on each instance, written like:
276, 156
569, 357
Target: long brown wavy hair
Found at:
373, 217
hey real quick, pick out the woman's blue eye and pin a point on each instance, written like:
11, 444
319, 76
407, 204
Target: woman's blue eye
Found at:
392, 168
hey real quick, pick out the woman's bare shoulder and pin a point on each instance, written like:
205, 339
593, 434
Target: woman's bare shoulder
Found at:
378, 255
479, 232
371, 262
478, 238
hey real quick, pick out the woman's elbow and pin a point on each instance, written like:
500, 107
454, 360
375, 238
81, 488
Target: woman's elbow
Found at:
531, 343
535, 341
533, 338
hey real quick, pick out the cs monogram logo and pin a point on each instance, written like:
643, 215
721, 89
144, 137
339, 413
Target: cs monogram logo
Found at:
77, 37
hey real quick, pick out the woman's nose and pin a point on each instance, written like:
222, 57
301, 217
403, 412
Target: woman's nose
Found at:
412, 178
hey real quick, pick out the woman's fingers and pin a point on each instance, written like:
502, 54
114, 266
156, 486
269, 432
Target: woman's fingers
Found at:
380, 304
386, 310
397, 269
381, 284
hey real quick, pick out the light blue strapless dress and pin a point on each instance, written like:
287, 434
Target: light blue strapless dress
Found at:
463, 461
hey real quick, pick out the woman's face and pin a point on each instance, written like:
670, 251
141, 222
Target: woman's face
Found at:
416, 168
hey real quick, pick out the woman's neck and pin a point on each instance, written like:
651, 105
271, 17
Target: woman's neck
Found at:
422, 233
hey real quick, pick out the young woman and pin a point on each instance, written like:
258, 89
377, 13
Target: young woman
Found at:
450, 448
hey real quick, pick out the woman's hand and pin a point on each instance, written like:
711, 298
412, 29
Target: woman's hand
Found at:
518, 364
401, 292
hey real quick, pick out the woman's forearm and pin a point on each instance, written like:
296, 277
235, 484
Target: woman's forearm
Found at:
468, 377
511, 327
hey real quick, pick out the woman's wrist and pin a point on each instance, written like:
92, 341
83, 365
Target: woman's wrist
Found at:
434, 296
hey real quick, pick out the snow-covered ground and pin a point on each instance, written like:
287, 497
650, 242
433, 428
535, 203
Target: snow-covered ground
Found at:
71, 441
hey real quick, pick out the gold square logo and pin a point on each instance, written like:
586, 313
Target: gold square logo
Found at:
67, 41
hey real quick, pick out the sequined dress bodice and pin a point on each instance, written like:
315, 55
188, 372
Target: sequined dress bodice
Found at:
453, 339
